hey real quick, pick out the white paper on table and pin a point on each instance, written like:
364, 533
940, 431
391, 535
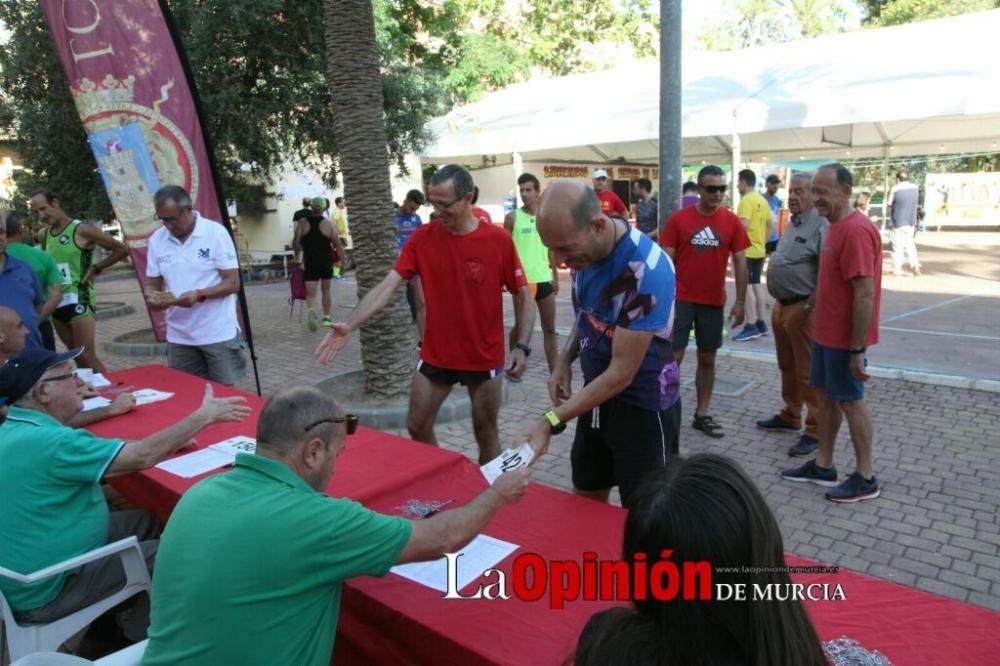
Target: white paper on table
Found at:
204, 460
509, 460
146, 396
484, 552
95, 379
95, 403
234, 445
194, 464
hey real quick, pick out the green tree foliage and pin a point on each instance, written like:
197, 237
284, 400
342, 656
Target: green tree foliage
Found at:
896, 12
760, 22
259, 67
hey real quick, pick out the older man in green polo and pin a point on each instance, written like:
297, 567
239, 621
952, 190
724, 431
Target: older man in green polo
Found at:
251, 565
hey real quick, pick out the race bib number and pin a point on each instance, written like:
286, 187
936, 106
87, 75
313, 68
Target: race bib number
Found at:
67, 276
69, 299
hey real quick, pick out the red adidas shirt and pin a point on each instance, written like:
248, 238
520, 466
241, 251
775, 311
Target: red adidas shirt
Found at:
852, 249
611, 203
702, 245
462, 277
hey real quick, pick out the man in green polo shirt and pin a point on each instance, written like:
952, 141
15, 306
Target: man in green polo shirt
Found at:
50, 486
251, 565
43, 267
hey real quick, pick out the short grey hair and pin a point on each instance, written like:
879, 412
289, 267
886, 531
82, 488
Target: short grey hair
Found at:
285, 421
174, 193
461, 179
802, 175
585, 209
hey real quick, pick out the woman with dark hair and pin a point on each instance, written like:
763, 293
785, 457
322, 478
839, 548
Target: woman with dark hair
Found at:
704, 508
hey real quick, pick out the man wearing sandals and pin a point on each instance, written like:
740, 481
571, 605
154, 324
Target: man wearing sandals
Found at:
700, 240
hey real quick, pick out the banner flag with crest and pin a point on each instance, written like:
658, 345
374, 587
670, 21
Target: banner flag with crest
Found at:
130, 86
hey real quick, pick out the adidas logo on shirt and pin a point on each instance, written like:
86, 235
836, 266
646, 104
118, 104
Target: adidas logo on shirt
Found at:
705, 238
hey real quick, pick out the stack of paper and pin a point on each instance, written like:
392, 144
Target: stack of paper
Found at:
95, 403
204, 460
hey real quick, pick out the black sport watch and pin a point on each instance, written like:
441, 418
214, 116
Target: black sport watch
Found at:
523, 347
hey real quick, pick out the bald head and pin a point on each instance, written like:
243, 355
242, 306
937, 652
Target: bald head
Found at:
572, 226
285, 420
13, 333
569, 198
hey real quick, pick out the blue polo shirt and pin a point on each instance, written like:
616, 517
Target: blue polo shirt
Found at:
633, 287
21, 292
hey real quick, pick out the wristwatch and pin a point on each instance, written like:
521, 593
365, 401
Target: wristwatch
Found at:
523, 347
555, 424
859, 350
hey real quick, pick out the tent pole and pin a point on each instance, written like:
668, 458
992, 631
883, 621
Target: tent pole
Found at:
517, 163
671, 143
734, 176
885, 188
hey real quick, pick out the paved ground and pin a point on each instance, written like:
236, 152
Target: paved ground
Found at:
937, 451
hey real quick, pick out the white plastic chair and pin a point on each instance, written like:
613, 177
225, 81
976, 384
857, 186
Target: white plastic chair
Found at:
130, 656
23, 640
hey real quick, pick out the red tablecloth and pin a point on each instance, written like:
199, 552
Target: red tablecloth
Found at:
394, 621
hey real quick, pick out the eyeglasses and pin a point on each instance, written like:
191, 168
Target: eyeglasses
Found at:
59, 378
173, 218
350, 419
714, 189
441, 206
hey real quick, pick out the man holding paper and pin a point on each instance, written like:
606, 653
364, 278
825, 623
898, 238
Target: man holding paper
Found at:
261, 582
623, 294
50, 486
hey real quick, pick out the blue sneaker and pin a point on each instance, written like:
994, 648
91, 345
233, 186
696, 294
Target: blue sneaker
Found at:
806, 446
812, 473
761, 329
749, 332
854, 489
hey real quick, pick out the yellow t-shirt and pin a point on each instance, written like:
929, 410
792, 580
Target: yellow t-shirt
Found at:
754, 207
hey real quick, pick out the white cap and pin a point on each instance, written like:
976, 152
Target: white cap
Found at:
599, 173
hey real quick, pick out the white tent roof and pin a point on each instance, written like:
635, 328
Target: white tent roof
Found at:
903, 90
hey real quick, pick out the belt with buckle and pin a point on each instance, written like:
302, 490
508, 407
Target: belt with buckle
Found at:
793, 300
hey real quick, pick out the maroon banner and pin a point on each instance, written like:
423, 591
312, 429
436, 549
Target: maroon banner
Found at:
136, 105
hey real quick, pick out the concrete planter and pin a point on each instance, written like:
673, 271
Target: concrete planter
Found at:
137, 343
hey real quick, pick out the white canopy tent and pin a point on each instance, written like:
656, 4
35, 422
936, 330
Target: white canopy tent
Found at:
921, 88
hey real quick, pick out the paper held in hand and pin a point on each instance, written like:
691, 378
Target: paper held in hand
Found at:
510, 459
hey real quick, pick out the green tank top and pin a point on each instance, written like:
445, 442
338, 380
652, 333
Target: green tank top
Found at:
72, 261
533, 254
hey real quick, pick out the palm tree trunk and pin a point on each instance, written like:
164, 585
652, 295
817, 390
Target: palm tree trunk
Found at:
387, 340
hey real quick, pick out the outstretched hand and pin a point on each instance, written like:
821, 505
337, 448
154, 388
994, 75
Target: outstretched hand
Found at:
332, 343
223, 409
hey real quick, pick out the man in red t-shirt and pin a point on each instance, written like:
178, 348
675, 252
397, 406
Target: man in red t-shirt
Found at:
463, 265
700, 240
847, 313
611, 203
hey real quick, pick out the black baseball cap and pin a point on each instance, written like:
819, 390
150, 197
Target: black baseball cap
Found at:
23, 371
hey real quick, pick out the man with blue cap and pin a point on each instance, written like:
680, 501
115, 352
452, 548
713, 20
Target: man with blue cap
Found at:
50, 486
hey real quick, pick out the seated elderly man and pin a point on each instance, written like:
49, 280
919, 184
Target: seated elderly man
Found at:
251, 565
50, 486
13, 338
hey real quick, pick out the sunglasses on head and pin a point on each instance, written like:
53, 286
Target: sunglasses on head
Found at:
350, 419
714, 189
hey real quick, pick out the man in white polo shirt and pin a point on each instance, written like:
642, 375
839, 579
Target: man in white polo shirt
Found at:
196, 259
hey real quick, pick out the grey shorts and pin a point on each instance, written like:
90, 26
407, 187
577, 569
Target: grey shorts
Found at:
222, 362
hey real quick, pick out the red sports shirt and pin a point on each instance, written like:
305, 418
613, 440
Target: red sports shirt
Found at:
852, 249
612, 203
462, 277
482, 215
702, 245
